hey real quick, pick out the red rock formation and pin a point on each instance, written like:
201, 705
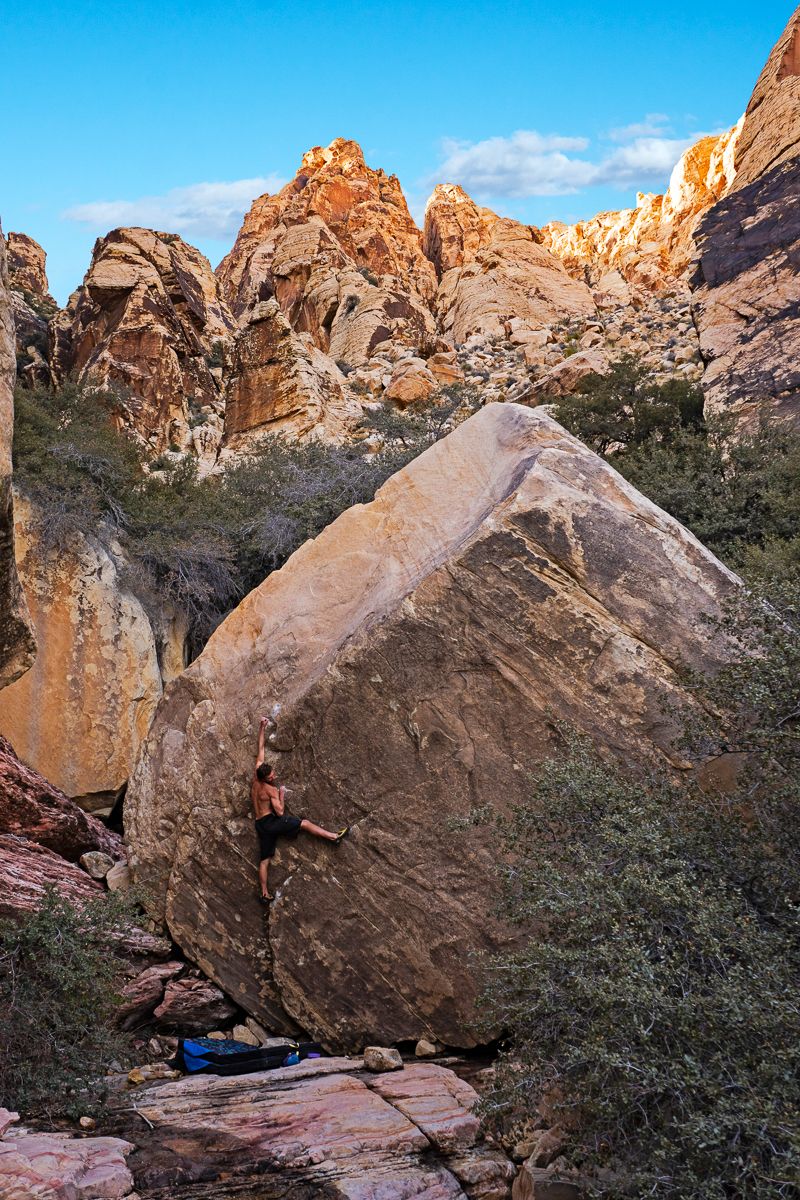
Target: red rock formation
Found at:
146, 320
56, 1166
338, 250
16, 637
26, 869
31, 807
27, 271
651, 245
495, 276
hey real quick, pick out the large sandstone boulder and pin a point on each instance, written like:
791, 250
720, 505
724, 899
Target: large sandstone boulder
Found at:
422, 652
495, 276
79, 714
56, 1166
147, 320
651, 245
324, 1128
32, 307
16, 636
746, 288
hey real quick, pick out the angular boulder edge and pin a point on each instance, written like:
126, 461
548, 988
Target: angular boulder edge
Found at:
423, 647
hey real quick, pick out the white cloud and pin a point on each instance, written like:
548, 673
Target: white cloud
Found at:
532, 164
653, 125
213, 210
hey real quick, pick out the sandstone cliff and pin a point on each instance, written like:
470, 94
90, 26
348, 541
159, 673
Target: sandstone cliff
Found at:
149, 320
32, 306
422, 652
495, 276
79, 714
746, 287
651, 245
16, 636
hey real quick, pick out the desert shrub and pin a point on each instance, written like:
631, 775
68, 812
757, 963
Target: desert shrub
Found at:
58, 996
652, 1006
737, 491
198, 545
627, 407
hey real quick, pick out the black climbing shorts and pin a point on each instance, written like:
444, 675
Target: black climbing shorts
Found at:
271, 827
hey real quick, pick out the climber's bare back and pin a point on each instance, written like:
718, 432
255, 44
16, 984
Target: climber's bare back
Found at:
262, 796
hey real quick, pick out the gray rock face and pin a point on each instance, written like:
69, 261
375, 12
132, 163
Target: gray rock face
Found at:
422, 647
16, 638
746, 299
746, 287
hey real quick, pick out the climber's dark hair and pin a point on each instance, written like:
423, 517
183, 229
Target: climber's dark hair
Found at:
264, 771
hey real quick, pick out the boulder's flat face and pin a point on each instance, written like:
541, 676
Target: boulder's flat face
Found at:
324, 1126
423, 648
746, 287
79, 714
16, 636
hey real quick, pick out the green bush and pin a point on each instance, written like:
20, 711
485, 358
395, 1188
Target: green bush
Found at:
738, 492
58, 996
199, 545
652, 1006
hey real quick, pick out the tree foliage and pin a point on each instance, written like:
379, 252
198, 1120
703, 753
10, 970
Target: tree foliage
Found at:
58, 996
654, 1005
199, 545
738, 492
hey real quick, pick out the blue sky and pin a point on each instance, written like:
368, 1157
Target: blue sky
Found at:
177, 114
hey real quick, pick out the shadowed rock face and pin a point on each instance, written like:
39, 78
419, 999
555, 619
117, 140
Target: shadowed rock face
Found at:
422, 652
16, 637
746, 288
145, 319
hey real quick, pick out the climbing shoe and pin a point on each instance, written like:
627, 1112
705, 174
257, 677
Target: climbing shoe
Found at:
342, 834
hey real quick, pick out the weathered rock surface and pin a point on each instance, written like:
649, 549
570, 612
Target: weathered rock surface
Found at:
31, 807
546, 587
746, 288
79, 714
321, 1128
142, 994
770, 135
281, 383
16, 636
146, 320
193, 1005
495, 272
564, 378
651, 245
55, 1166
337, 251
27, 267
26, 869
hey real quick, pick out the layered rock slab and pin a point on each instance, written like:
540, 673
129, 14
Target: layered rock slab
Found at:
320, 1128
16, 635
495, 276
422, 652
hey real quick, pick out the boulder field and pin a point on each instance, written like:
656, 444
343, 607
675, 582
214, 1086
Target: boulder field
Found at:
424, 648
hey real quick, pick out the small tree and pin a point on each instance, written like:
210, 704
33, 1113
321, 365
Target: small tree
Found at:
653, 1007
58, 995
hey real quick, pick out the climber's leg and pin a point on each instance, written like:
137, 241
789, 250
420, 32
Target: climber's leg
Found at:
317, 831
263, 869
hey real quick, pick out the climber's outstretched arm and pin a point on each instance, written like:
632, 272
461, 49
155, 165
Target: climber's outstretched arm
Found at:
262, 732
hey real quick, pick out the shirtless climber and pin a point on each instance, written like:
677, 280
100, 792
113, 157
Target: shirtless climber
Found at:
272, 820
